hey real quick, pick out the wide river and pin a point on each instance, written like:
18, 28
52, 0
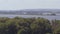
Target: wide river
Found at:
29, 16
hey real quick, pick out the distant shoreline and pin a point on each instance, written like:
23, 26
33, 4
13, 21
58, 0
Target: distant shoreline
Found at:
28, 14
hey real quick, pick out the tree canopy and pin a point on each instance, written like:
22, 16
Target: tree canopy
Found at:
20, 25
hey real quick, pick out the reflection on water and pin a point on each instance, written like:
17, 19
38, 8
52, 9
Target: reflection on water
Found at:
29, 16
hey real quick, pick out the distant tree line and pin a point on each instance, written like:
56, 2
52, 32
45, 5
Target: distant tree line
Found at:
28, 13
20, 25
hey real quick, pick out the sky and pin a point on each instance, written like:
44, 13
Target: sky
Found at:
29, 4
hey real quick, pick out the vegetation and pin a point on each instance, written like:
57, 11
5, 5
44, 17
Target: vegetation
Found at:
20, 25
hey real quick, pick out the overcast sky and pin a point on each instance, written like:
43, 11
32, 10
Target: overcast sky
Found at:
29, 4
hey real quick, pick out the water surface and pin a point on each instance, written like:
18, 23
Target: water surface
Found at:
29, 16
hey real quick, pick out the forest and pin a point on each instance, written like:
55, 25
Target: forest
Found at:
19, 25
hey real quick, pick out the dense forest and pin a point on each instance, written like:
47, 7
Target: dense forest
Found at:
19, 25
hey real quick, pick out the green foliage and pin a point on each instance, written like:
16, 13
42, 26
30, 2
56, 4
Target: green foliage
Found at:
20, 25
20, 31
56, 26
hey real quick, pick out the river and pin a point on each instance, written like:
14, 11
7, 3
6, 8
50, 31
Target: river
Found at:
29, 16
